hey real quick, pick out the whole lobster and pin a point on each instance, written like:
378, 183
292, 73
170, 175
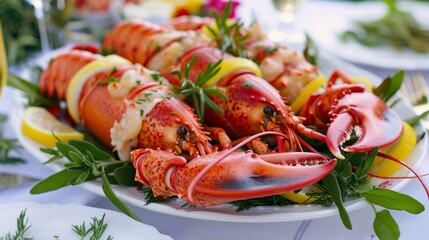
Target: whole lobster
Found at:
128, 108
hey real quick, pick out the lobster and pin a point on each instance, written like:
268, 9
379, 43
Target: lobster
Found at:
247, 110
283, 67
136, 114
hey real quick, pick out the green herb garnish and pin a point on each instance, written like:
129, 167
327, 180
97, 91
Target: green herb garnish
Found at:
196, 90
108, 80
31, 90
86, 162
228, 35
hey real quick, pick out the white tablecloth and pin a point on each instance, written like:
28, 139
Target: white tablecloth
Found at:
412, 226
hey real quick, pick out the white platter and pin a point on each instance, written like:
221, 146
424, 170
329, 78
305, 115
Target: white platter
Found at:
334, 18
226, 212
49, 220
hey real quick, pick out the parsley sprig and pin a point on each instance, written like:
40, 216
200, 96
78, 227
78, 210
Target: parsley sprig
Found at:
86, 162
228, 35
196, 90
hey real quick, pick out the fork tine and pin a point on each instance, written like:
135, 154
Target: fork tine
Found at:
407, 89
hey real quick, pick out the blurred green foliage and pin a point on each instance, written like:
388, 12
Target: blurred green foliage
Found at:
20, 30
397, 28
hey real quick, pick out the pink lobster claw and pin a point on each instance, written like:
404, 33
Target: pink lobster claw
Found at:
376, 124
342, 108
239, 175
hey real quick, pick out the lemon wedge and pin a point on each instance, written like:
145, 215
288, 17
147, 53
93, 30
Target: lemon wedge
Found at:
365, 81
79, 79
41, 126
306, 93
400, 150
301, 197
230, 65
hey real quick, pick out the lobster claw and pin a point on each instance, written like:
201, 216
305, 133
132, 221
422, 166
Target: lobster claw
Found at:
239, 175
248, 175
374, 122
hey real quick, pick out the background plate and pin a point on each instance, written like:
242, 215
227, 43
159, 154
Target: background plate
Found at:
334, 18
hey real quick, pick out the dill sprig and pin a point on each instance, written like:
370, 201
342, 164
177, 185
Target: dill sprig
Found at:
150, 198
97, 229
275, 200
228, 35
196, 90
21, 229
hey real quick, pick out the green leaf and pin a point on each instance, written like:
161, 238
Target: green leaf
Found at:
30, 89
333, 188
65, 149
125, 175
311, 53
393, 200
75, 157
56, 181
96, 152
213, 105
367, 163
415, 120
389, 86
385, 227
107, 189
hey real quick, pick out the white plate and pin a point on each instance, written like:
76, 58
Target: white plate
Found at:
334, 18
49, 220
226, 212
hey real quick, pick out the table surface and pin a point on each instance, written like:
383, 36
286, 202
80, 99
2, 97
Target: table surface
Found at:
412, 226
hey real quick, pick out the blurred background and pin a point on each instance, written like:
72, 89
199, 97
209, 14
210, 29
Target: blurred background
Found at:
31, 26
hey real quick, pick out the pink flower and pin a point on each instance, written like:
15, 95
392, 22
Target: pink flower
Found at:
220, 5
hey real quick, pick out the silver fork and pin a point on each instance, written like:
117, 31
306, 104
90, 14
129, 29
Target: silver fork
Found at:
416, 91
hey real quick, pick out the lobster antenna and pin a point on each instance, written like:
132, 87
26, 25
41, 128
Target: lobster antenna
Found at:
223, 156
383, 155
396, 177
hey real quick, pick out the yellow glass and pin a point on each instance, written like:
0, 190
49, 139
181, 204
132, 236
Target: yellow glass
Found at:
3, 64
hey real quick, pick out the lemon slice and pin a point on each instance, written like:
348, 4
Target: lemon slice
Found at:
230, 65
364, 81
301, 197
400, 150
79, 79
40, 125
305, 94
